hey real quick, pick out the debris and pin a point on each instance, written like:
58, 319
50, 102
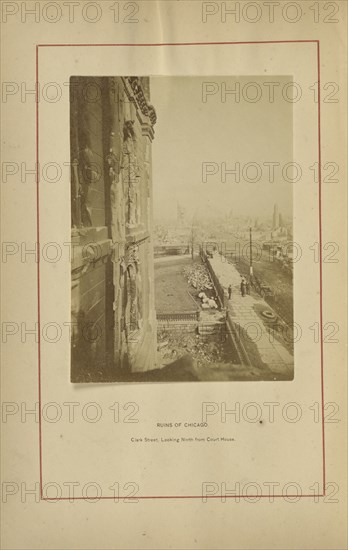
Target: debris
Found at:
163, 344
198, 276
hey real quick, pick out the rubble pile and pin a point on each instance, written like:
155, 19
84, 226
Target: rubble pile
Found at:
204, 351
198, 276
206, 302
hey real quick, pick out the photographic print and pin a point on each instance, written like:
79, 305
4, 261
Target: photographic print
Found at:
173, 260
182, 232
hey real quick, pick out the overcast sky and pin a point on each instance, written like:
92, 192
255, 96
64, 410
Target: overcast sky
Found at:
190, 132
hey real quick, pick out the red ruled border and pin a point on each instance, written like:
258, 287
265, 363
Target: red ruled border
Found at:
38, 46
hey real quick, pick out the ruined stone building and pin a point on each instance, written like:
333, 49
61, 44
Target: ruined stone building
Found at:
113, 314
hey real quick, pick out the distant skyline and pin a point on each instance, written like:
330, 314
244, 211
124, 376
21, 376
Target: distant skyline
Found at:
215, 216
190, 133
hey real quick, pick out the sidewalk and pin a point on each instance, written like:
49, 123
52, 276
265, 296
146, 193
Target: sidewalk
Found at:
273, 354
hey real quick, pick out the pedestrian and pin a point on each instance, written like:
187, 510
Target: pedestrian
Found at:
243, 287
229, 291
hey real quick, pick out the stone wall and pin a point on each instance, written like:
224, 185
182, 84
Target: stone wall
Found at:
111, 135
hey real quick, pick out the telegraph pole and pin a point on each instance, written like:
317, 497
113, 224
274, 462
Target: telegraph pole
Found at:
251, 255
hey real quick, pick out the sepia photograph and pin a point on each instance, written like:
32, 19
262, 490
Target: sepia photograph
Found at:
182, 232
173, 259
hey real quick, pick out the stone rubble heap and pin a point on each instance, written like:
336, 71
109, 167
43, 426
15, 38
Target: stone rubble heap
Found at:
203, 351
198, 276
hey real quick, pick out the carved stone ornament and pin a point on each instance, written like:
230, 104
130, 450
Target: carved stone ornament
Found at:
132, 255
145, 107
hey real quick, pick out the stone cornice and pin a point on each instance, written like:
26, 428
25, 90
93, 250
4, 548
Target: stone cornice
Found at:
146, 112
144, 105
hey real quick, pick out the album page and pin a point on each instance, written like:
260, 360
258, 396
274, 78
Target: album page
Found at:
174, 267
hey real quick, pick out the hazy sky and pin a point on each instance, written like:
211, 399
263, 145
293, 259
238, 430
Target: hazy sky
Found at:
190, 132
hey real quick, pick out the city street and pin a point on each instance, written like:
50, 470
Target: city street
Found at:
243, 311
